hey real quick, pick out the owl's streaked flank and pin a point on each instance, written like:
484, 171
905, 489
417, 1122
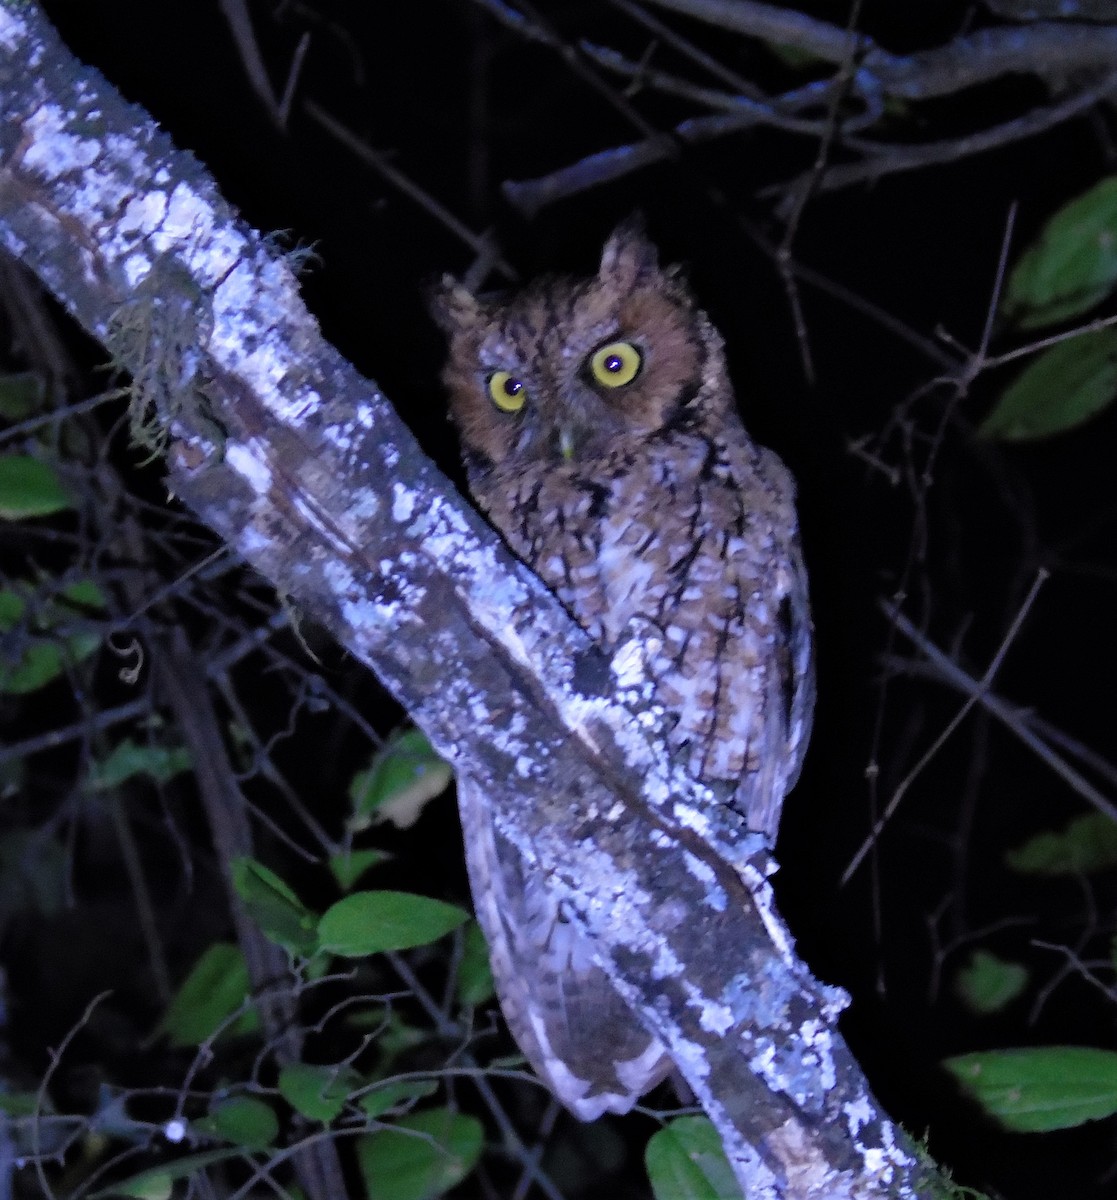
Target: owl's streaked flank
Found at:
601, 437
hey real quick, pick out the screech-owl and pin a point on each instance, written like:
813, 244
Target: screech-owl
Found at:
601, 437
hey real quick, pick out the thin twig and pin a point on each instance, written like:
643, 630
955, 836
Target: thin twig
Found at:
761, 107
53, 738
981, 687
1050, 49
781, 26
1081, 967
288, 97
687, 49
891, 158
239, 20
476, 242
44, 1085
446, 1028
803, 194
530, 195
1021, 724
59, 415
141, 893
1035, 347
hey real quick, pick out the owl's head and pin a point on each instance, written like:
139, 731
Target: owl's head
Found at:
567, 370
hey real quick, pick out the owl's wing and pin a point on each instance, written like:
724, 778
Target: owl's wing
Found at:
787, 707
711, 560
776, 653
796, 643
576, 1031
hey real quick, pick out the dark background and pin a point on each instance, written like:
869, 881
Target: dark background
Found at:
459, 105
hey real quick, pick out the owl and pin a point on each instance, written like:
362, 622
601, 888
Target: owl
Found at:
601, 437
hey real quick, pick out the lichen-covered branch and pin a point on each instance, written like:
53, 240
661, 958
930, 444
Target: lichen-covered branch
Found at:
300, 463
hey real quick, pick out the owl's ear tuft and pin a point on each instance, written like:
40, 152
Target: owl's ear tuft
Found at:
453, 307
628, 257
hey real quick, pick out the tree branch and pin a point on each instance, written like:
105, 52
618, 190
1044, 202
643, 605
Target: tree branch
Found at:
1055, 52
298, 462
783, 26
1048, 49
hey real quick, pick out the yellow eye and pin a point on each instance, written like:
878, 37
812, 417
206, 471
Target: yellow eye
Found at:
506, 391
616, 364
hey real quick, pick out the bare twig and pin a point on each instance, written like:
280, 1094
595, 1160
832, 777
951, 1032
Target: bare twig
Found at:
1022, 724
288, 97
687, 49
1081, 968
244, 37
478, 243
980, 689
782, 26
530, 195
53, 738
1050, 49
942, 950
180, 681
41, 1101
891, 158
528, 1161
805, 189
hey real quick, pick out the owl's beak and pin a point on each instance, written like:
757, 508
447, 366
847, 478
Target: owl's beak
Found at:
566, 442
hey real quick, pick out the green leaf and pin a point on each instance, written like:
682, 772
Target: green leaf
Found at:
391, 1095
1037, 1089
1066, 385
12, 607
42, 659
1071, 266
685, 1161
401, 779
29, 487
370, 922
157, 1183
215, 989
396, 1038
244, 1120
275, 907
19, 1104
475, 973
318, 1093
1087, 844
129, 758
348, 867
987, 983
39, 663
51, 611
795, 57
84, 592
21, 395
422, 1156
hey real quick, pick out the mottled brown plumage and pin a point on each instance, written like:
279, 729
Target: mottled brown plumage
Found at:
601, 437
